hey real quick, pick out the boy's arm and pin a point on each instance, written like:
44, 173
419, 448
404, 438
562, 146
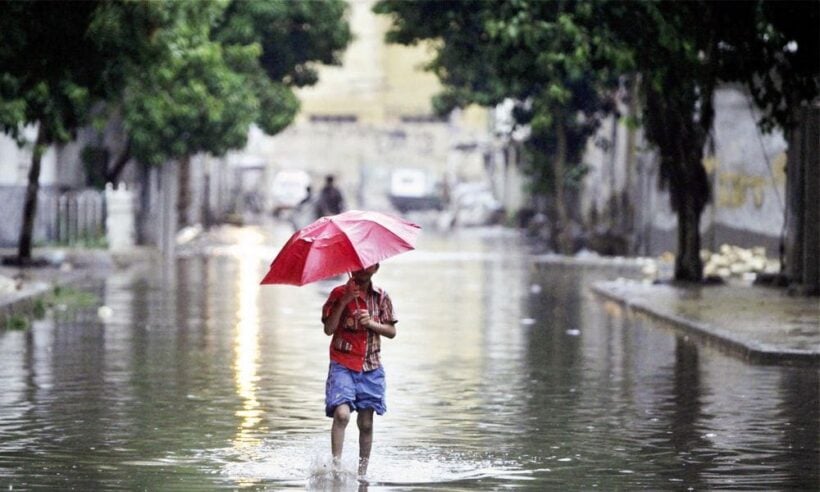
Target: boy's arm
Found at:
332, 321
387, 327
384, 329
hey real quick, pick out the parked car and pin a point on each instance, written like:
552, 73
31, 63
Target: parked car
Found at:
288, 189
413, 189
473, 204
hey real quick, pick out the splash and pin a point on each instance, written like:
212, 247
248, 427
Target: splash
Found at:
306, 462
325, 474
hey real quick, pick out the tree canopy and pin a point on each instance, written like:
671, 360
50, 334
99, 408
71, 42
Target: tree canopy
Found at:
682, 52
559, 59
44, 83
545, 56
186, 77
215, 67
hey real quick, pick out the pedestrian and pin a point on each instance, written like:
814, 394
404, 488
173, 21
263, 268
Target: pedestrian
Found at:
356, 314
330, 201
308, 197
302, 213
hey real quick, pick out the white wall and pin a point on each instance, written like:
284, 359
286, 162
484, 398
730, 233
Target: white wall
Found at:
747, 170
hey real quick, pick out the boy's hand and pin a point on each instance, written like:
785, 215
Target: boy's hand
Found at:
364, 318
351, 291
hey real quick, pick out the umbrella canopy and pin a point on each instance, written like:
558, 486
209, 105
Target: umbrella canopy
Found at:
340, 243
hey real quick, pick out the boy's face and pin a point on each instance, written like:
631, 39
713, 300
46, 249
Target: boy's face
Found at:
363, 276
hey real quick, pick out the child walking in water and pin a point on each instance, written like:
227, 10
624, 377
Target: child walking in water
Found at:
356, 314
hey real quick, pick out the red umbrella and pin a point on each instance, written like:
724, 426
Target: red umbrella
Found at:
340, 243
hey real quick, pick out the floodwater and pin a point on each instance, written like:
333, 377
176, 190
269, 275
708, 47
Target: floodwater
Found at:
506, 374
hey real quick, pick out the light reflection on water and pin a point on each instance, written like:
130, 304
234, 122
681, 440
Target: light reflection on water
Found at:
246, 350
204, 379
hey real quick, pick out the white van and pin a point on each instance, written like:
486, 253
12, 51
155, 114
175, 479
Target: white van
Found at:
413, 189
289, 187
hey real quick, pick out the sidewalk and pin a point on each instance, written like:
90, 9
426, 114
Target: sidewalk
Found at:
21, 288
760, 324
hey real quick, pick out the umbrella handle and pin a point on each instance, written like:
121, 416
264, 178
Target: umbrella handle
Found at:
356, 319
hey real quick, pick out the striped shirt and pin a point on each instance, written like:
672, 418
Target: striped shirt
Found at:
354, 346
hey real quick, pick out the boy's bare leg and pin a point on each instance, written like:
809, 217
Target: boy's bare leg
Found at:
365, 423
341, 416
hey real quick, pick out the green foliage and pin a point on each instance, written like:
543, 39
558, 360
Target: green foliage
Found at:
211, 68
17, 322
42, 79
65, 298
186, 76
558, 59
71, 298
292, 38
39, 309
541, 54
192, 103
772, 47
293, 35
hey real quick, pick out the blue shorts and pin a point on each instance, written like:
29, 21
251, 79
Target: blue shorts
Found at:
359, 390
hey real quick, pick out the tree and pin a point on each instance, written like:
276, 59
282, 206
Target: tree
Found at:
547, 56
44, 83
58, 60
184, 76
557, 59
183, 92
682, 52
674, 53
216, 68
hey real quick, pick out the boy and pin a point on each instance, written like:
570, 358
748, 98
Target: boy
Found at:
356, 314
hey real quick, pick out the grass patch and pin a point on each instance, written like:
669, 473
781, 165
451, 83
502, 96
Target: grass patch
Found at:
39, 309
17, 322
70, 298
64, 297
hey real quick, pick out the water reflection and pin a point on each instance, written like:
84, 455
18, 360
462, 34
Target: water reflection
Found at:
246, 342
506, 373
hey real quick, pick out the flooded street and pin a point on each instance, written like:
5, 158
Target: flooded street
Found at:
506, 373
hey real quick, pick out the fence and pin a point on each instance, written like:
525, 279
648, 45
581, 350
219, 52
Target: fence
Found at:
64, 217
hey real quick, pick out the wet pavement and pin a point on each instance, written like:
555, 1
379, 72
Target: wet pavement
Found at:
759, 323
507, 372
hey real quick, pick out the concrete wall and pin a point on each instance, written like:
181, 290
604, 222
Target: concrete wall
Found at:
362, 156
381, 99
746, 168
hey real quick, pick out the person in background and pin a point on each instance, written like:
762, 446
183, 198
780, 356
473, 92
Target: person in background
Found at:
302, 214
330, 201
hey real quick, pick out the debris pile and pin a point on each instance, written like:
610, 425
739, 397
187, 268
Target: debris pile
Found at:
726, 263
733, 261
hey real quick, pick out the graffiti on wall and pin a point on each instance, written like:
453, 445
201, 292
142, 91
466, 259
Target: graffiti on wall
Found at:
737, 188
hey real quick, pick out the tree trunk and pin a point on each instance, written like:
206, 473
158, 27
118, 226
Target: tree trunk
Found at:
811, 193
206, 198
30, 204
688, 265
184, 194
563, 237
113, 175
802, 242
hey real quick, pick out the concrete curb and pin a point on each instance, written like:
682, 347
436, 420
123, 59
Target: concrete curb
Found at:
87, 264
749, 350
24, 302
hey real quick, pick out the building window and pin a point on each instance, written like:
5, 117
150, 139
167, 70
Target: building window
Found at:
422, 118
333, 118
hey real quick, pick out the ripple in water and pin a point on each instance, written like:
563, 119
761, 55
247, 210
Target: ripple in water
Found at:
307, 463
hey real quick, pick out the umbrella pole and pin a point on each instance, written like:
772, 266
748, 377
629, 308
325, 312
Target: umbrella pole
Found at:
356, 319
